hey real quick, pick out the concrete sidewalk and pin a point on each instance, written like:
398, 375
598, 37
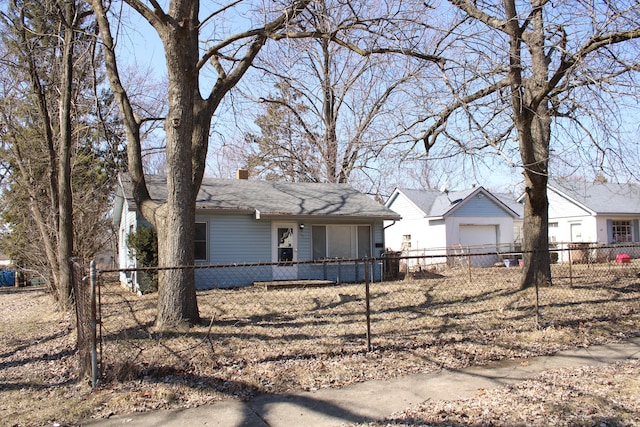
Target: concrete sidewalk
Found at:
373, 400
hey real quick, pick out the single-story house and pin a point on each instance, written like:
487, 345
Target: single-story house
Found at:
241, 221
445, 222
597, 212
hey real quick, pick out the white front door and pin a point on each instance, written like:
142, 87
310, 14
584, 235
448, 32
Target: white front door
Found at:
285, 250
576, 232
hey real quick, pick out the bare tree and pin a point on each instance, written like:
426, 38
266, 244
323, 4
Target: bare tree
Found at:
47, 89
554, 51
334, 115
185, 35
513, 74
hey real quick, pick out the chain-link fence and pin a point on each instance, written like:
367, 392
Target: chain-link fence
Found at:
415, 302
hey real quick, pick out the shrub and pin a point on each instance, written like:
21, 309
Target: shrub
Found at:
143, 246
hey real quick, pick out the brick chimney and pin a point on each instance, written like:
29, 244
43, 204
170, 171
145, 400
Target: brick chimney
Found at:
242, 174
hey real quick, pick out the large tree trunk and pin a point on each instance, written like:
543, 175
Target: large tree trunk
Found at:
175, 220
177, 303
535, 243
533, 126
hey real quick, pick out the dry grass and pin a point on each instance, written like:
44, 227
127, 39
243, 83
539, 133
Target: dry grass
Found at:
252, 340
588, 396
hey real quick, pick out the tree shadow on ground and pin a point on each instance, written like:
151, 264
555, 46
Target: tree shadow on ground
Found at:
330, 413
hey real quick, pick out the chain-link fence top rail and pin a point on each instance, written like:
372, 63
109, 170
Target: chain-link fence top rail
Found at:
443, 312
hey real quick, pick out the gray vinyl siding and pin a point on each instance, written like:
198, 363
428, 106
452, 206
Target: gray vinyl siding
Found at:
479, 207
242, 239
239, 239
304, 242
378, 237
235, 239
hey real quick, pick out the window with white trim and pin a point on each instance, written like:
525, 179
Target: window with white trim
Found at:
406, 242
622, 231
341, 241
200, 241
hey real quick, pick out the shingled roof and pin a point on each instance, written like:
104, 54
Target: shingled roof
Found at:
435, 203
601, 197
273, 198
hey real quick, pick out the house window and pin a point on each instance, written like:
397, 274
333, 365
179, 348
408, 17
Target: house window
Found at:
406, 241
553, 232
200, 241
622, 231
341, 241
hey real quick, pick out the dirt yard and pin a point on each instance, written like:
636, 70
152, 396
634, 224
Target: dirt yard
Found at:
253, 341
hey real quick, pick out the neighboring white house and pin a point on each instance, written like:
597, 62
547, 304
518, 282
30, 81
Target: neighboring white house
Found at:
241, 221
5, 261
472, 220
603, 213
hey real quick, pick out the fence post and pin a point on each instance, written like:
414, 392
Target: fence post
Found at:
570, 267
367, 302
535, 280
94, 351
469, 264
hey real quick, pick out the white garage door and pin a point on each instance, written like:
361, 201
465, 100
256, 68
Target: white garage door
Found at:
480, 239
